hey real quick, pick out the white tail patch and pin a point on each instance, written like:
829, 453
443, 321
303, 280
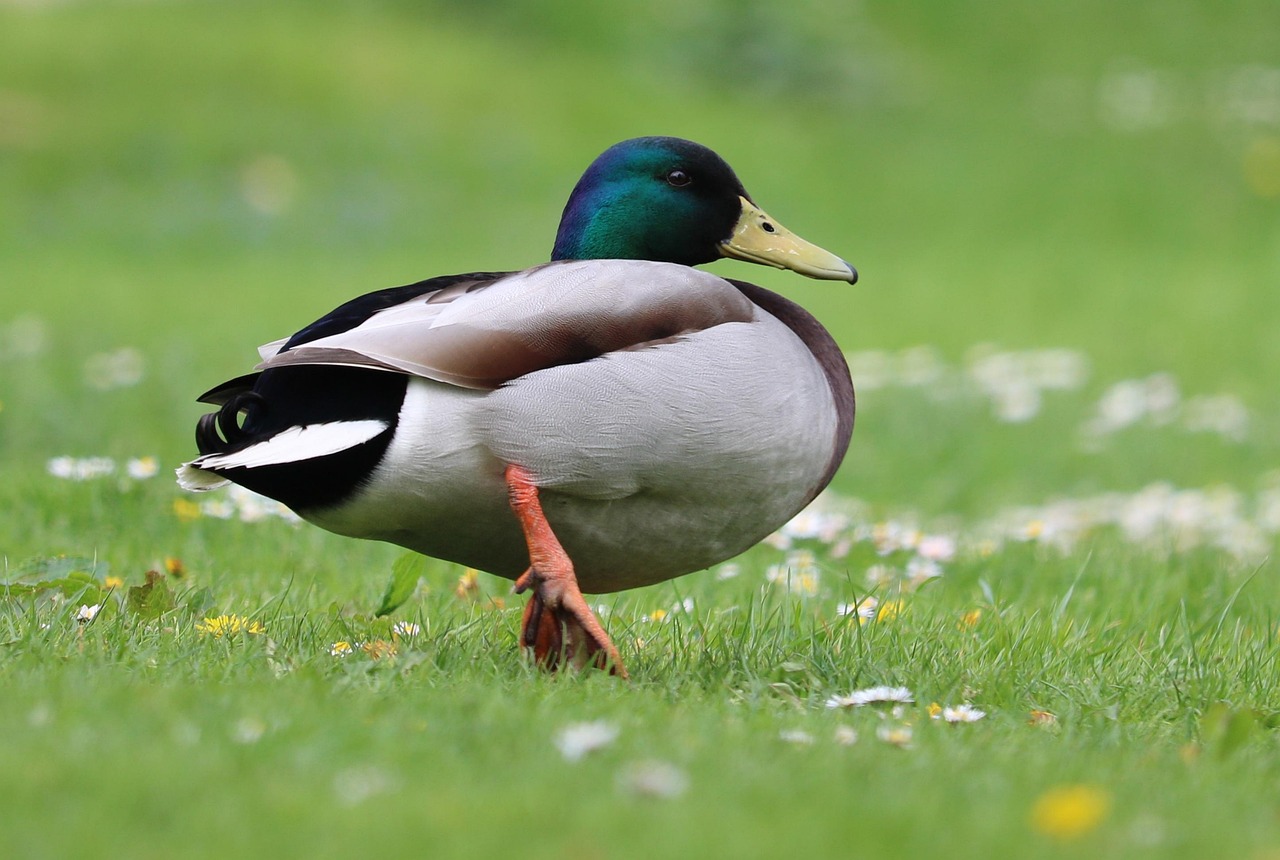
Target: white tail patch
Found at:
197, 480
288, 446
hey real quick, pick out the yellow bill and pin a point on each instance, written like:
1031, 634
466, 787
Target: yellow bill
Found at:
757, 238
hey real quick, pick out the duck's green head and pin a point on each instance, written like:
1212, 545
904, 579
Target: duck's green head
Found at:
674, 201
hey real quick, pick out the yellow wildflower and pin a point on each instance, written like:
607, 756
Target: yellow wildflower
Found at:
806, 583
468, 587
1042, 718
185, 510
970, 619
174, 567
934, 710
227, 625
1070, 811
898, 736
112, 582
656, 615
889, 610
379, 648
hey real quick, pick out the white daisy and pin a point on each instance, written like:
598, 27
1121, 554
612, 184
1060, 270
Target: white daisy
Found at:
577, 739
796, 736
141, 468
940, 548
872, 696
898, 736
652, 779
727, 571
80, 469
960, 714
865, 608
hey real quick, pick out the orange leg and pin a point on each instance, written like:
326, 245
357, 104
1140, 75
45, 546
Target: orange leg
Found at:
557, 621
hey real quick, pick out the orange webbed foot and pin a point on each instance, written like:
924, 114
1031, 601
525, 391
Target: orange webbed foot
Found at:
558, 623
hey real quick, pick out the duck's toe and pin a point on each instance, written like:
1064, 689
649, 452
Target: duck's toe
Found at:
559, 626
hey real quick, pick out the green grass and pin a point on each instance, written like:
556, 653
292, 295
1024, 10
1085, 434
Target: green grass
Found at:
189, 180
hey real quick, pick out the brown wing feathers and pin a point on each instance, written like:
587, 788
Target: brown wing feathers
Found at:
544, 318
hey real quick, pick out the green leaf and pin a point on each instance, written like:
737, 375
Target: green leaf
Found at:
1224, 729
198, 603
80, 587
152, 599
15, 590
51, 571
405, 574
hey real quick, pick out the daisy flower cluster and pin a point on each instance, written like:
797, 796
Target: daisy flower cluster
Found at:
910, 556
89, 468
681, 607
374, 649
1015, 383
1012, 383
644, 778
1132, 96
235, 502
892, 706
1159, 518
798, 573
1157, 401
378, 649
232, 502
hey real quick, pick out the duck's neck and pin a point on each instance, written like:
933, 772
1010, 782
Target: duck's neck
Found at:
627, 220
599, 224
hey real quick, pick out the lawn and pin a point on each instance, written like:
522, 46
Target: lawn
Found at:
1060, 508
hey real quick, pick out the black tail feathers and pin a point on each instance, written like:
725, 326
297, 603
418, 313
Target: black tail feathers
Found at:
223, 431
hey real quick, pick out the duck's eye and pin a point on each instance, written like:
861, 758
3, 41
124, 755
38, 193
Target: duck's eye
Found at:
678, 178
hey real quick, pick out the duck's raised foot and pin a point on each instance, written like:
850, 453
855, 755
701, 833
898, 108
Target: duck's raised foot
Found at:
558, 624
568, 633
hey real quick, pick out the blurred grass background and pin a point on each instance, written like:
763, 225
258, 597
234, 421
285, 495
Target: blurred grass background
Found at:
182, 181
191, 179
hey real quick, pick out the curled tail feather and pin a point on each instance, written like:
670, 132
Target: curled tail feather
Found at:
222, 431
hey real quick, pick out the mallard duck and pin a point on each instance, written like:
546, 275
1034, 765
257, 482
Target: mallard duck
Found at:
607, 420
